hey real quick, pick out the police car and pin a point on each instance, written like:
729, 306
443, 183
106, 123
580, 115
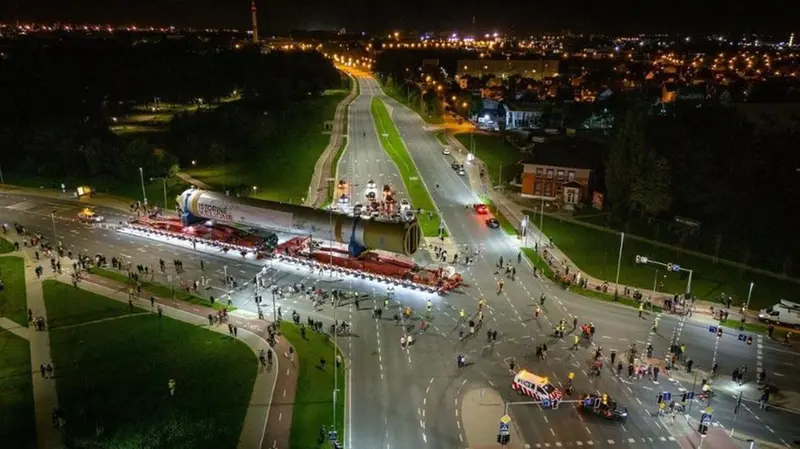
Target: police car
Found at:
603, 406
537, 387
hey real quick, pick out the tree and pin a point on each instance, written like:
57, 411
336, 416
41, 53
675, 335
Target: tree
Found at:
650, 191
625, 161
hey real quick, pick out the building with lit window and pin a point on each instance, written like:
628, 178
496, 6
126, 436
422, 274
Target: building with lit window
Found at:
561, 169
527, 68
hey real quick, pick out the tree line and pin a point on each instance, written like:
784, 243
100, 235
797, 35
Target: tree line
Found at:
710, 165
57, 104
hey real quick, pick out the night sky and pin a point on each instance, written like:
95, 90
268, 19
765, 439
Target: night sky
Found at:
620, 16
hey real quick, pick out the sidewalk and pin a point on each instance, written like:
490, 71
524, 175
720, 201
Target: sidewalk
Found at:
255, 421
45, 393
481, 410
189, 179
322, 168
515, 213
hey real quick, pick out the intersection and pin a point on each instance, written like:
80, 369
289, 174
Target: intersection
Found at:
410, 397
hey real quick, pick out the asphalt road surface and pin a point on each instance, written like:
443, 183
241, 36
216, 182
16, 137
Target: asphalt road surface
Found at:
511, 313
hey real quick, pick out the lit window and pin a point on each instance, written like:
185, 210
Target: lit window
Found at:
571, 175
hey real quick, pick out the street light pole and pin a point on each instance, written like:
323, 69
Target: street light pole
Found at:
141, 178
164, 181
541, 220
655, 281
53, 220
2, 181
619, 262
749, 292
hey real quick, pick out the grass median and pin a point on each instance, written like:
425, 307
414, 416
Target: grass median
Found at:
313, 404
113, 380
17, 420
596, 251
164, 291
501, 158
393, 144
13, 297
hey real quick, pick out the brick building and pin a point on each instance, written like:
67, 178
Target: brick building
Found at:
561, 169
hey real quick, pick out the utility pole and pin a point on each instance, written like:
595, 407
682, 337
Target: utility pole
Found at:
53, 220
141, 178
2, 181
619, 263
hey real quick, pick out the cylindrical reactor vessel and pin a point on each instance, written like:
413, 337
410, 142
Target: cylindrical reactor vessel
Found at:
356, 232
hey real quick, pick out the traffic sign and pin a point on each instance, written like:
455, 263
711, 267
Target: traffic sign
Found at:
712, 329
587, 402
505, 419
546, 403
667, 396
669, 267
333, 435
504, 429
706, 418
676, 267
690, 395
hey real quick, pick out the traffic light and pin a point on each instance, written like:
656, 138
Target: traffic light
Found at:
683, 397
660, 398
750, 340
702, 428
719, 331
503, 439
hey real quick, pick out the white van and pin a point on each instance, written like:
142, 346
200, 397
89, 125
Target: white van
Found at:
785, 312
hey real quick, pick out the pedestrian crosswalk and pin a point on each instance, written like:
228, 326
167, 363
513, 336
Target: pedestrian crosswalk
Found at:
609, 442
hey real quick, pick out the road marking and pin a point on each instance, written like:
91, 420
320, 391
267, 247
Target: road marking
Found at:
610, 441
424, 438
631, 440
280, 415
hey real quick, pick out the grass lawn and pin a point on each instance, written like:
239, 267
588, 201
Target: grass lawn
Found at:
113, 383
17, 421
496, 153
394, 146
13, 298
313, 405
67, 305
5, 246
595, 252
547, 272
165, 291
282, 169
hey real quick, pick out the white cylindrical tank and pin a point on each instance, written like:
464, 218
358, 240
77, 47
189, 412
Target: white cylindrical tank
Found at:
358, 233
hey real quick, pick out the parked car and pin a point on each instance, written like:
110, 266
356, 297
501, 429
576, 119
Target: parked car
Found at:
480, 208
446, 151
492, 223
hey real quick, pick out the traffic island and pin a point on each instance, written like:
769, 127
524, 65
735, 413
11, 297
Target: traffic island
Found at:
114, 369
314, 406
482, 413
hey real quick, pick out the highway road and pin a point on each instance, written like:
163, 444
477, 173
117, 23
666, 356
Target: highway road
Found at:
617, 329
